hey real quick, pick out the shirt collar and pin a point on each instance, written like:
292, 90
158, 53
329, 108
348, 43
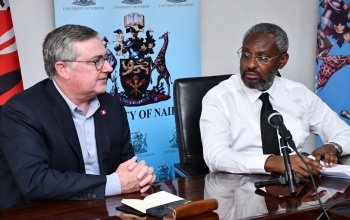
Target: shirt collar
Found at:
254, 94
93, 106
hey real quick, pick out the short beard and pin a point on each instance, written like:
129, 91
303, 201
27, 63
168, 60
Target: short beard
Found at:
265, 82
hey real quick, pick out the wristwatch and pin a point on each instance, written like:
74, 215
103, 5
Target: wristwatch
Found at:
337, 147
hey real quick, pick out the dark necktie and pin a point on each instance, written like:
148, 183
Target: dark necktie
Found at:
268, 133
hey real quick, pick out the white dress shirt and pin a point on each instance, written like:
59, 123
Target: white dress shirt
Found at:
230, 123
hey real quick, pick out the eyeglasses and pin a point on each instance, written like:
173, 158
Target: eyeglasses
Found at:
98, 62
260, 59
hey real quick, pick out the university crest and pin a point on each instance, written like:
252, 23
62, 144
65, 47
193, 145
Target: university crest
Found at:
135, 78
135, 69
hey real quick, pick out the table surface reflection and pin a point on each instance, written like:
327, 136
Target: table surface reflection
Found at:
237, 196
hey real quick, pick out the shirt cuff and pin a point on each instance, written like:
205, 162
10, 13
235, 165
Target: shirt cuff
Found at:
113, 185
257, 163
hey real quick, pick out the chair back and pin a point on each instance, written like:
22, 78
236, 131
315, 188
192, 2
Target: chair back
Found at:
188, 95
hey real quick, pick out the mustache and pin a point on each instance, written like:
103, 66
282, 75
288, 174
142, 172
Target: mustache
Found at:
252, 71
262, 78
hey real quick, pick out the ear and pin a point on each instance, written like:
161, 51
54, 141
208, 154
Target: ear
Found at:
62, 69
283, 60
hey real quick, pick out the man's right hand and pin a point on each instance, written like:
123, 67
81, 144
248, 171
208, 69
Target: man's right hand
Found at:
276, 164
135, 176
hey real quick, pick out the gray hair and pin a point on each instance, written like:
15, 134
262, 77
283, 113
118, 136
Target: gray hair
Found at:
59, 45
267, 28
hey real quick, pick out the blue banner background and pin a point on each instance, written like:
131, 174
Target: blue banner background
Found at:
333, 55
152, 125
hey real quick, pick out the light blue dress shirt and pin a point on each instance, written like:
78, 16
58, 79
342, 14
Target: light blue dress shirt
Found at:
85, 127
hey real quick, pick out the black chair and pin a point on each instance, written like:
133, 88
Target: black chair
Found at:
188, 95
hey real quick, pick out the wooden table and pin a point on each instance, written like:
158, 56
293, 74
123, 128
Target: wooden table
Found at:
236, 194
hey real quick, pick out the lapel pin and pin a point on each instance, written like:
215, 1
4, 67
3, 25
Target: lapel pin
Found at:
103, 112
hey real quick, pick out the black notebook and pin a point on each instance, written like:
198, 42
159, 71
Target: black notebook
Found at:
155, 204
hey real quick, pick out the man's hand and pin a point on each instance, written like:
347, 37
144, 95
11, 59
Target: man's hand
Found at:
135, 176
328, 153
276, 164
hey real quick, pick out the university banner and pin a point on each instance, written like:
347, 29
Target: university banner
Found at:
333, 55
10, 73
153, 42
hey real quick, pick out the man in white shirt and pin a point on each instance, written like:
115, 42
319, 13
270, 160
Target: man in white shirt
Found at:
230, 119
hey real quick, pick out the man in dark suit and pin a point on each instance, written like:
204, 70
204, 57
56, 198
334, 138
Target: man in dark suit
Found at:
65, 138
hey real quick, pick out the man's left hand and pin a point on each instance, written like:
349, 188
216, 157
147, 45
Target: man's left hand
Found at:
328, 153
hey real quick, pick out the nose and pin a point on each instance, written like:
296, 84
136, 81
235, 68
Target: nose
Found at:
107, 67
252, 63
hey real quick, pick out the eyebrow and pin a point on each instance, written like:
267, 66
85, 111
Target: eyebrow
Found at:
97, 57
259, 53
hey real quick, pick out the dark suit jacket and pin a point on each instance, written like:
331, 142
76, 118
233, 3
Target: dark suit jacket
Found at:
40, 154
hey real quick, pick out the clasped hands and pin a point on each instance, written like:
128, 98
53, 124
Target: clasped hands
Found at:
326, 152
135, 176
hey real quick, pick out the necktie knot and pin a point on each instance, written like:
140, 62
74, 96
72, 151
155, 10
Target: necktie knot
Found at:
264, 97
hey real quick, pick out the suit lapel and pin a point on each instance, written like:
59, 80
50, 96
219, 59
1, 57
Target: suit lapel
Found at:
63, 117
101, 134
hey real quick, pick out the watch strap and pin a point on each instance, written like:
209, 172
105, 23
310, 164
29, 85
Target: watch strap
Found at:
337, 147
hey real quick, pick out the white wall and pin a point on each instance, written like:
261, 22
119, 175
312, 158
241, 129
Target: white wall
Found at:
32, 20
223, 23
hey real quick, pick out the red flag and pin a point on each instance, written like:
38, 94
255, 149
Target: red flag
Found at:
10, 72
